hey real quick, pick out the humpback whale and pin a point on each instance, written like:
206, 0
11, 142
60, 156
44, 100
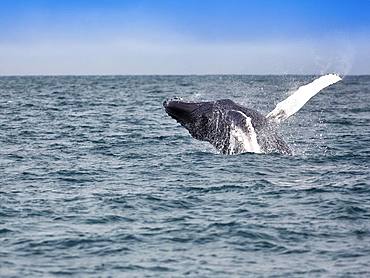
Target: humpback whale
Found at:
232, 128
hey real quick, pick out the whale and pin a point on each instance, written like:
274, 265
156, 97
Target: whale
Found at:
229, 127
233, 129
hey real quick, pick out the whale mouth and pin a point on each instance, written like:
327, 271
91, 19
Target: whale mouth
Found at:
180, 110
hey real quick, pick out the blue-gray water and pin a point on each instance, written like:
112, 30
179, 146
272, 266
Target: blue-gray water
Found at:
96, 180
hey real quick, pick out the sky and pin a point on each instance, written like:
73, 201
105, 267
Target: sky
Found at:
184, 37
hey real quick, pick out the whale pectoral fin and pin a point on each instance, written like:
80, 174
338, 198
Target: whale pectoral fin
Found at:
293, 103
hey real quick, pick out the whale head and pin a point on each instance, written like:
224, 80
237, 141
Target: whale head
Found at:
194, 116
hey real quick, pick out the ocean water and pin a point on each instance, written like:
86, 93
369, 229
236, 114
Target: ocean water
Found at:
97, 181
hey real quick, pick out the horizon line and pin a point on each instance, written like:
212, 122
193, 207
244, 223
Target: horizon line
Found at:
185, 74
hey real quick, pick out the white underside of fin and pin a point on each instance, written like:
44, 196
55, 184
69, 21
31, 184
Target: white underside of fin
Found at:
293, 103
243, 139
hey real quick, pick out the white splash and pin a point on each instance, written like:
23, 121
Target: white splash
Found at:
293, 103
243, 139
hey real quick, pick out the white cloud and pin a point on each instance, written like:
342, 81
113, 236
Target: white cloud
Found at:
185, 56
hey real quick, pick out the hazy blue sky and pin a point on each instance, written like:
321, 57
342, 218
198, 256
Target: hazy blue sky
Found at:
184, 37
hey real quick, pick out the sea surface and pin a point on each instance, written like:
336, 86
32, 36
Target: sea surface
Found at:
97, 181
